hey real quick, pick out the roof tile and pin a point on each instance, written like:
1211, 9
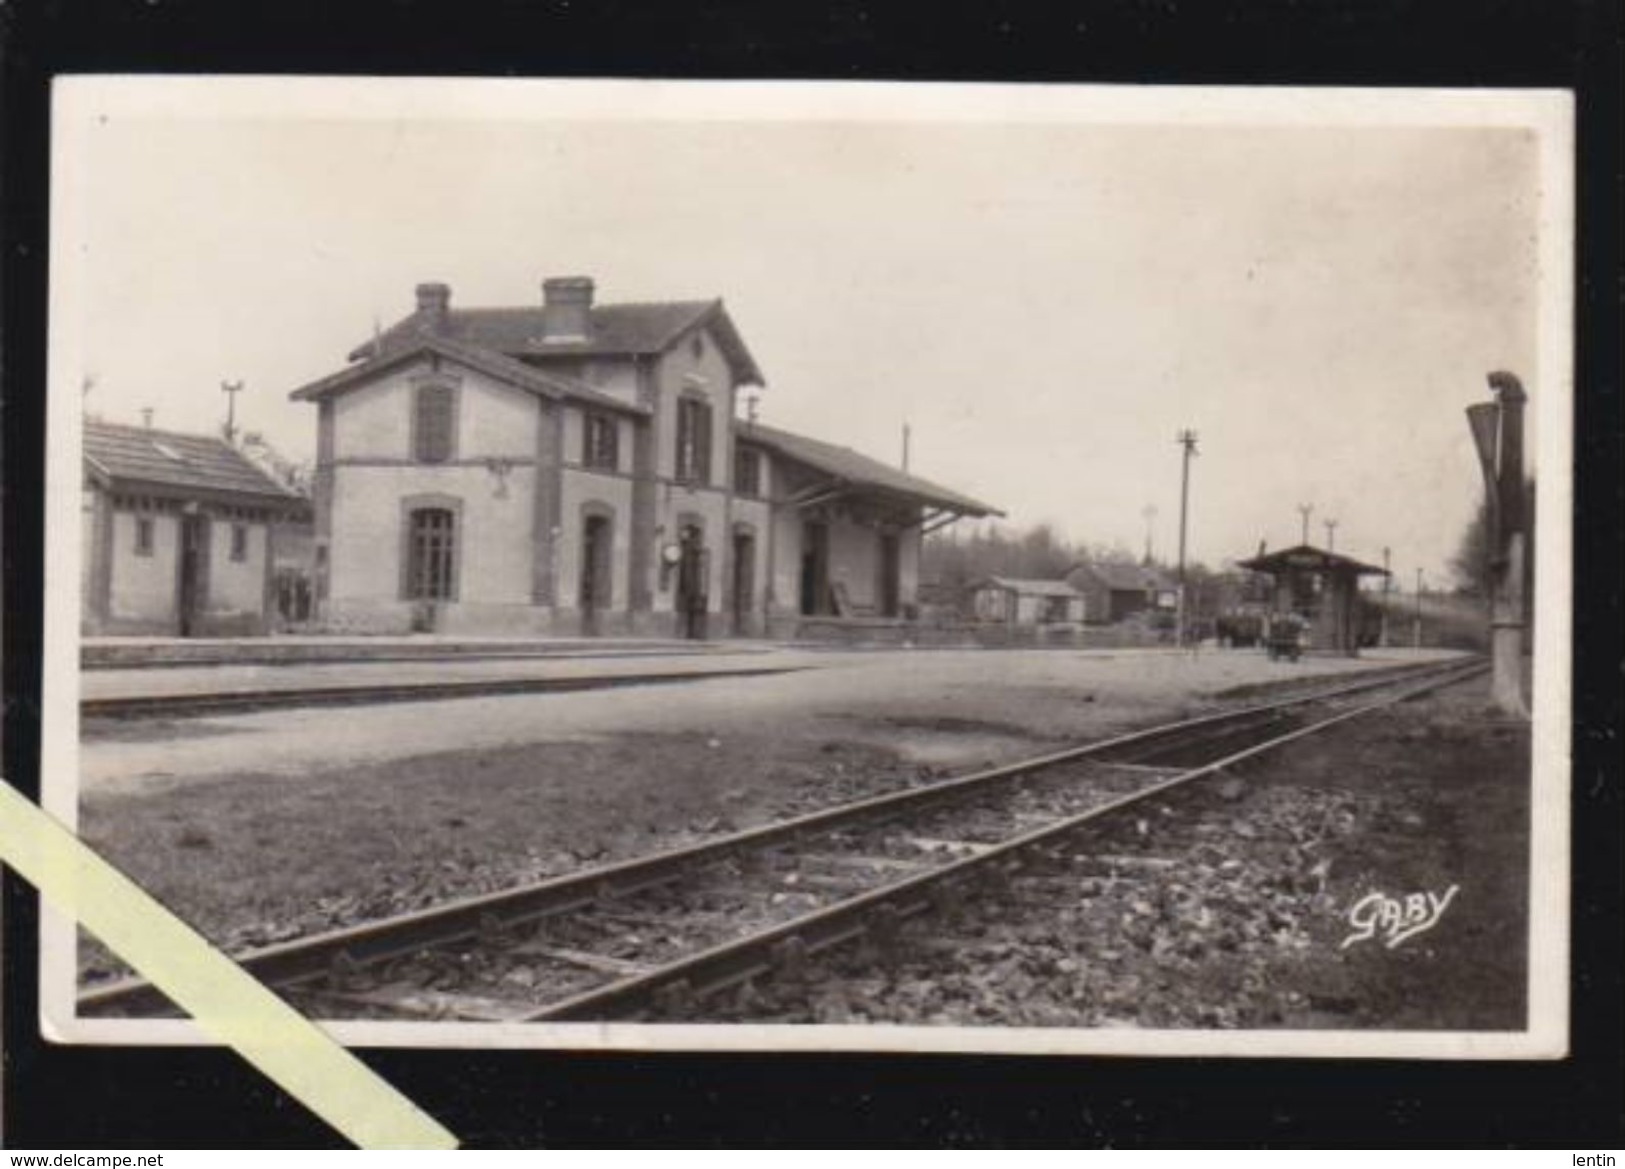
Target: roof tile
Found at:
849, 465
166, 458
617, 330
1123, 575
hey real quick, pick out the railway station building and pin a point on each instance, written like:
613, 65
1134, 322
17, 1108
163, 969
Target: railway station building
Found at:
178, 534
575, 468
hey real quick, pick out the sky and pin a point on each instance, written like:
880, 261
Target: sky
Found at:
1045, 287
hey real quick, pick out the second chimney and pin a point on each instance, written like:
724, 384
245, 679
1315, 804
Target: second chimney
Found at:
434, 305
567, 308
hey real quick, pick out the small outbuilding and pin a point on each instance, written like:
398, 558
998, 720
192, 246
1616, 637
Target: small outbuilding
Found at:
1321, 588
1116, 590
177, 534
1010, 601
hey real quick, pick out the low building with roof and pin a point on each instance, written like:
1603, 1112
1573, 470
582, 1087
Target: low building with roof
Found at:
1116, 590
578, 468
178, 533
1012, 601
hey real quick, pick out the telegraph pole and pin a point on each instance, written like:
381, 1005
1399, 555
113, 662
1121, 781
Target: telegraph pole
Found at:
905, 446
1387, 579
1331, 534
1186, 439
1416, 625
1305, 510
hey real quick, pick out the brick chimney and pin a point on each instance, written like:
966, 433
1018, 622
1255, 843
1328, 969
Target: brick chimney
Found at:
434, 306
566, 309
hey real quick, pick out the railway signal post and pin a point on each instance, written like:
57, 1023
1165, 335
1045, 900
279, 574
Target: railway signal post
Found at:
1498, 434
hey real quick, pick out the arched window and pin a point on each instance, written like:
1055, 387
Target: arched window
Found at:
434, 424
431, 554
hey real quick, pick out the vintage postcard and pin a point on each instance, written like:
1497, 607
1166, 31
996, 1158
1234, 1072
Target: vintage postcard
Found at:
818, 566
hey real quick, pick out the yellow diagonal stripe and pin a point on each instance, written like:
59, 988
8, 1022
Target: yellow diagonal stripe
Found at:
224, 1000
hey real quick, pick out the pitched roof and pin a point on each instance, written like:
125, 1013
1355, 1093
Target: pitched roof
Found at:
1039, 588
166, 458
410, 346
1305, 556
859, 470
1123, 575
616, 330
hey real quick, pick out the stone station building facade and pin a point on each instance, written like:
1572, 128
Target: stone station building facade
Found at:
572, 468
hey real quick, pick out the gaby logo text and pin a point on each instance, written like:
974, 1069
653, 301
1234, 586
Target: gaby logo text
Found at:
1396, 918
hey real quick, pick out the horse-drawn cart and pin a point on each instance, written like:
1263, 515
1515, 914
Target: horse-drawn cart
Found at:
1284, 638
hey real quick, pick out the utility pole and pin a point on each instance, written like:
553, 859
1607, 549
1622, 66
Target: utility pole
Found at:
1498, 434
231, 389
1387, 579
1305, 510
1331, 534
905, 446
1186, 439
1416, 624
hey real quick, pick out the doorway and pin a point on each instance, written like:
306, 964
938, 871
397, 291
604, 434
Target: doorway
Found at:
691, 597
744, 582
192, 587
595, 572
814, 568
890, 574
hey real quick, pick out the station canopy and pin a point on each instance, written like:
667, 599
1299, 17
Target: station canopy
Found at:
1304, 558
848, 471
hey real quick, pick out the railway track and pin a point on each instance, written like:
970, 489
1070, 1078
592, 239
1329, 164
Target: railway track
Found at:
654, 933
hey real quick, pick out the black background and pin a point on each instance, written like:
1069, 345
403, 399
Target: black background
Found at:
156, 1098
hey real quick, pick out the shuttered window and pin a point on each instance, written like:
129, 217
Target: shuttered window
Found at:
601, 448
434, 427
693, 441
432, 555
747, 471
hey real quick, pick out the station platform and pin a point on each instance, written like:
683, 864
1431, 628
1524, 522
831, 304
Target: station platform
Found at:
326, 679
122, 653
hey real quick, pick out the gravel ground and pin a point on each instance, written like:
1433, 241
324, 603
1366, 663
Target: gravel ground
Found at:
261, 827
1233, 908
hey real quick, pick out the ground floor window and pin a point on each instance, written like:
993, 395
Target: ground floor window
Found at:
431, 554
